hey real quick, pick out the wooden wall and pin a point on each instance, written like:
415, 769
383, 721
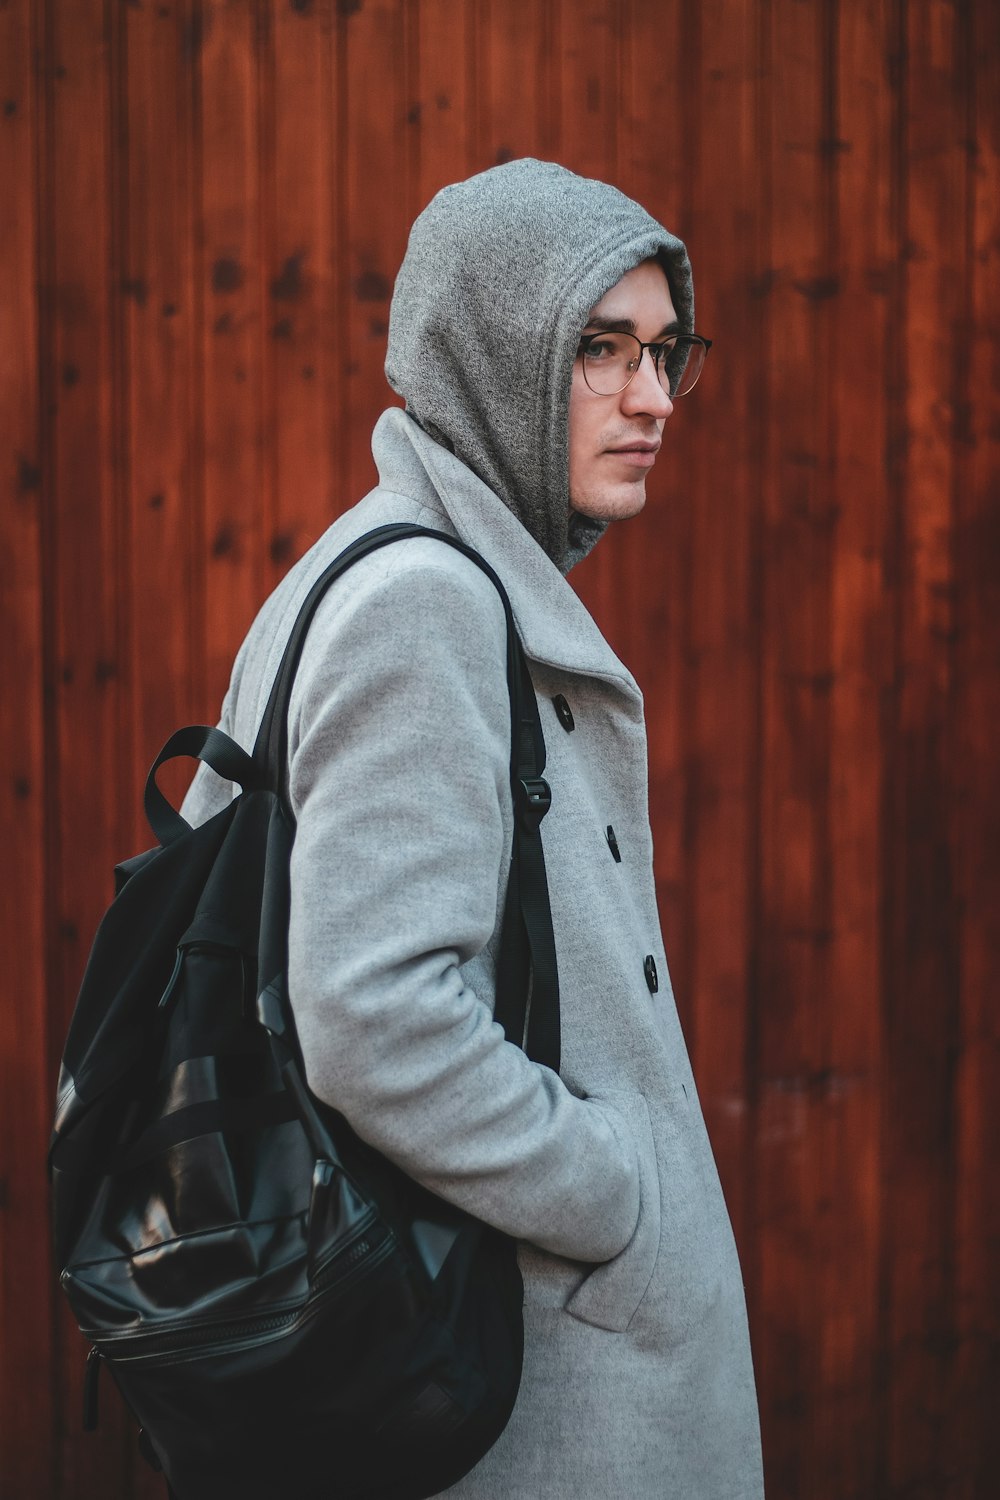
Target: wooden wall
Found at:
202, 208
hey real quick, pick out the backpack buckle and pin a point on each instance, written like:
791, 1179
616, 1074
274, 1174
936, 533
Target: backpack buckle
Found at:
533, 798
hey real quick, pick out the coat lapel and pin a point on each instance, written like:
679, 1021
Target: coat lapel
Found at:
555, 627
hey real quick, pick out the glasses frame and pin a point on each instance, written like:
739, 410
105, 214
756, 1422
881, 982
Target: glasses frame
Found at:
656, 347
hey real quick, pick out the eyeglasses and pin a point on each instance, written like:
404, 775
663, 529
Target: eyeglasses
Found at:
610, 361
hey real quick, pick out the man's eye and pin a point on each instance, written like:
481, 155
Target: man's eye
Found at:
599, 349
663, 350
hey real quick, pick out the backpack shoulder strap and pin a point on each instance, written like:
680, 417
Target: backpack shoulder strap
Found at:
271, 746
527, 1002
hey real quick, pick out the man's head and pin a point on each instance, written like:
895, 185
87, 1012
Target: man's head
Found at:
500, 277
614, 435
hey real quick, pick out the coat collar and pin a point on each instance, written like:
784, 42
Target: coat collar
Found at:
554, 625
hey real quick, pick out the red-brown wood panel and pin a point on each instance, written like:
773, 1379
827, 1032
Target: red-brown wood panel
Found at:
513, 88
717, 480
922, 968
80, 382
300, 318
375, 66
153, 182
211, 198
861, 665
583, 82
155, 436
976, 708
223, 57
26, 1451
794, 918
445, 139
648, 624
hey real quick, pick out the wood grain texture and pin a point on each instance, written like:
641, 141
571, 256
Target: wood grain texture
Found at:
797, 1095
211, 200
861, 674
156, 443
224, 58
80, 378
301, 346
27, 1455
976, 708
719, 485
375, 52
923, 1016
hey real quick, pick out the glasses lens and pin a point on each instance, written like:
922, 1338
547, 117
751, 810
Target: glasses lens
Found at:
681, 364
609, 362
611, 359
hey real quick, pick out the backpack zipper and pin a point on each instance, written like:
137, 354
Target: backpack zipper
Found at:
190, 1342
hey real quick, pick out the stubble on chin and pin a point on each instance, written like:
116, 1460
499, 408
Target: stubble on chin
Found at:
617, 504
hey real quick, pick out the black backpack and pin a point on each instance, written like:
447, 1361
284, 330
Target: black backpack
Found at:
283, 1310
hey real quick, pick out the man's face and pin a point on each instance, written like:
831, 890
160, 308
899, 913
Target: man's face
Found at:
613, 440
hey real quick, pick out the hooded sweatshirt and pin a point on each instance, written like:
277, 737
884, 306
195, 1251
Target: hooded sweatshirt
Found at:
498, 281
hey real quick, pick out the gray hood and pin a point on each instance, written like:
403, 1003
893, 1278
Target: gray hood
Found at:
495, 289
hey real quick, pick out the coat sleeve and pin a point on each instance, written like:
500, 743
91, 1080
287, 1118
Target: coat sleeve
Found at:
399, 748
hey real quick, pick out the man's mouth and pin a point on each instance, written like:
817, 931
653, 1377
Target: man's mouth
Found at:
641, 454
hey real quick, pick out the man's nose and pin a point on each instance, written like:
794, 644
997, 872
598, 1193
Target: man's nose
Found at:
644, 393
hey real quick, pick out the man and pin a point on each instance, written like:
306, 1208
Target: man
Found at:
540, 333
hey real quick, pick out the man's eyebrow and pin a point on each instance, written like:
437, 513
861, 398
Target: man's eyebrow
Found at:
626, 325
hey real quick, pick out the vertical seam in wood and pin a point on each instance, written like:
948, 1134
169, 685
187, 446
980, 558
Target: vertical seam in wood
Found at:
41, 37
689, 62
268, 253
690, 93
622, 94
192, 22
123, 682
329, 270
762, 273
961, 432
412, 98
830, 500
615, 122
474, 92
341, 289
549, 76
895, 465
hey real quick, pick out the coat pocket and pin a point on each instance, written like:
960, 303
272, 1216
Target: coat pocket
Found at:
609, 1296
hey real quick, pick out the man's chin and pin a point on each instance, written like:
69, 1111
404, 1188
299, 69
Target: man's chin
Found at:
617, 504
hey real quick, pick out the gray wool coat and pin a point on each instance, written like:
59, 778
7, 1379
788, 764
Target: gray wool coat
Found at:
637, 1375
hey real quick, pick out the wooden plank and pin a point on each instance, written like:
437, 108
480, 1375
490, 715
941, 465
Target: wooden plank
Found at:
221, 56
443, 101
514, 82
794, 917
26, 1272
586, 85
644, 607
922, 958
302, 320
159, 318
862, 665
975, 1444
159, 313
721, 425
371, 42
80, 378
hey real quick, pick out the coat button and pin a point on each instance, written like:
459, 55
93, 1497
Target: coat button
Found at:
564, 713
650, 969
613, 845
